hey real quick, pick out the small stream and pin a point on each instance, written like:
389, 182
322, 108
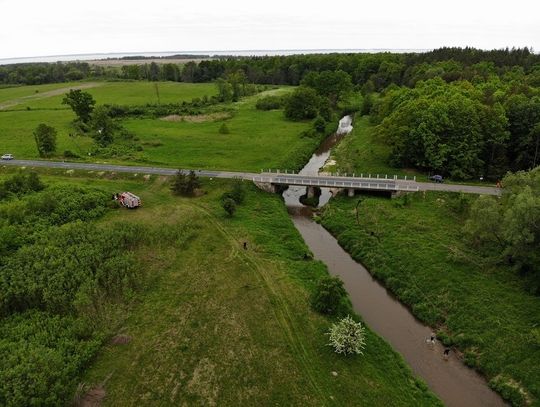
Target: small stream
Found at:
454, 383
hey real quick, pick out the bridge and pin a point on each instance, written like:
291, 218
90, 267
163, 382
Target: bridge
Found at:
350, 184
393, 184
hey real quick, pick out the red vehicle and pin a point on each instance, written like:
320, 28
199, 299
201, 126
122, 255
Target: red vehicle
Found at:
128, 200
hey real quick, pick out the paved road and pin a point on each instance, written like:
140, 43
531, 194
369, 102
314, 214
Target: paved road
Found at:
289, 179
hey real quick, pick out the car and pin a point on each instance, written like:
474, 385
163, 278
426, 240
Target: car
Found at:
437, 178
7, 157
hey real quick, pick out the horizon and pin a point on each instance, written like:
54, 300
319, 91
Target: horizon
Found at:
98, 56
103, 27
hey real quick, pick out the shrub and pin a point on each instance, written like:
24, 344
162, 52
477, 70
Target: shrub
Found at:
238, 192
269, 103
328, 295
185, 184
70, 154
229, 205
347, 336
319, 124
223, 129
304, 103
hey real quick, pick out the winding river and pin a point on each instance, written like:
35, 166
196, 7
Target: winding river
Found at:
454, 383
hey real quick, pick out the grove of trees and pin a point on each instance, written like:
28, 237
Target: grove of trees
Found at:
508, 229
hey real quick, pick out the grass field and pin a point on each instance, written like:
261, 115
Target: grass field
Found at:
134, 93
16, 92
416, 246
257, 139
220, 325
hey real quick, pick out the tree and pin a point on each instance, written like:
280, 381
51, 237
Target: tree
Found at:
328, 295
334, 85
153, 72
225, 90
81, 102
45, 137
229, 205
238, 192
185, 184
302, 104
103, 127
238, 82
347, 336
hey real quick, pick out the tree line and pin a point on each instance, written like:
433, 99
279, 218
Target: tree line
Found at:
381, 68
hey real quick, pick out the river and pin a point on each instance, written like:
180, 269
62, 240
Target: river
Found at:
453, 382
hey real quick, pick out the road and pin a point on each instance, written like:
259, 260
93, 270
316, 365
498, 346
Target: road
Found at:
289, 179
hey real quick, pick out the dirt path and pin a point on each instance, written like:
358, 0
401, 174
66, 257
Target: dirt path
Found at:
14, 102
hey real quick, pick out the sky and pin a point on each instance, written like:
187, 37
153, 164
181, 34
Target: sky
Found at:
60, 27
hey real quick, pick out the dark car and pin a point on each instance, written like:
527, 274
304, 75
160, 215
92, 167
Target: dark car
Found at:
437, 178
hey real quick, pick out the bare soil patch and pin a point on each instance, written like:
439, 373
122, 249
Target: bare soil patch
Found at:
198, 118
93, 398
121, 339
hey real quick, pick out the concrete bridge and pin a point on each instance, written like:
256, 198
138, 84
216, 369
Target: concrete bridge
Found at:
351, 184
392, 185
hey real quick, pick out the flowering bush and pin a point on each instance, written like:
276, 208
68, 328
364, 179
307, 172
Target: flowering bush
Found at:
347, 336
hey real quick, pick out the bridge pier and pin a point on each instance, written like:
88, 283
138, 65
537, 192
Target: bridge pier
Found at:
351, 192
310, 192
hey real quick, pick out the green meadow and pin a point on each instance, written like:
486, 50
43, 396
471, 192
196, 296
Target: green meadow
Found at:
256, 139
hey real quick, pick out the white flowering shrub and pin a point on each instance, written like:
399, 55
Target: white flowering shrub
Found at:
347, 336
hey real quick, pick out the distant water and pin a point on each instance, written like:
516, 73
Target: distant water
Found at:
87, 57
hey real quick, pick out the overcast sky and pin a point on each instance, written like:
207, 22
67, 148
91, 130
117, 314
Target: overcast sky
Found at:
57, 27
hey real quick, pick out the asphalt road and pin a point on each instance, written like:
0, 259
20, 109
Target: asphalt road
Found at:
404, 185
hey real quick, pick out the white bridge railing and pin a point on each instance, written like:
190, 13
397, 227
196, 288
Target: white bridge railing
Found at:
346, 175
327, 182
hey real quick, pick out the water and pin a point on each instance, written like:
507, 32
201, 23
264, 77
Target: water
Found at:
454, 383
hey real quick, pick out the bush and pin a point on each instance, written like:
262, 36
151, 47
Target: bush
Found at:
185, 184
229, 205
223, 129
21, 184
238, 192
328, 296
70, 154
269, 103
347, 336
304, 103
319, 124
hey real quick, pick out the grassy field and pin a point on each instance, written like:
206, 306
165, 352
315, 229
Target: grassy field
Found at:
17, 92
257, 139
133, 93
416, 246
220, 325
